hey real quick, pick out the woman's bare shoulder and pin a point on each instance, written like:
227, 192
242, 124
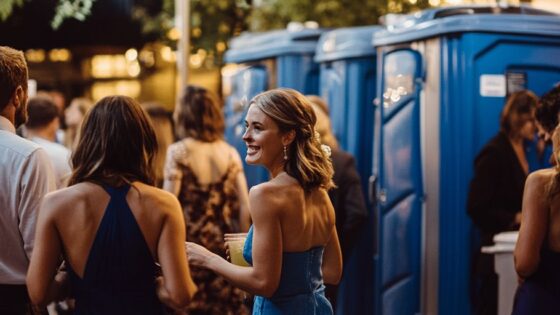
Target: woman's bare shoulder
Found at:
70, 198
541, 177
276, 194
154, 197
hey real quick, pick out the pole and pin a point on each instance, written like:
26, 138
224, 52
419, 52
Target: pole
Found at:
182, 22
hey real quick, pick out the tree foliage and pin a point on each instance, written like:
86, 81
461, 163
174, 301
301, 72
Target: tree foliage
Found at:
272, 14
7, 7
214, 22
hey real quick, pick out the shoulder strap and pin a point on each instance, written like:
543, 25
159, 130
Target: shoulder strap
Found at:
116, 192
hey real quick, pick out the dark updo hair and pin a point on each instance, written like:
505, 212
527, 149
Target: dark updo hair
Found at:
307, 162
518, 103
117, 144
199, 115
548, 109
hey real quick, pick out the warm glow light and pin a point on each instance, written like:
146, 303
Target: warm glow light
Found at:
147, 58
35, 55
166, 53
133, 69
220, 46
131, 54
113, 66
102, 66
122, 87
173, 34
435, 2
196, 32
196, 60
412, 1
59, 55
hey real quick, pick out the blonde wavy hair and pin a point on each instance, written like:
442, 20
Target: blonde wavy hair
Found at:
307, 161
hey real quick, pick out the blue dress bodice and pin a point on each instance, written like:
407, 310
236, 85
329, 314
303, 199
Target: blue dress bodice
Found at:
301, 289
120, 270
540, 293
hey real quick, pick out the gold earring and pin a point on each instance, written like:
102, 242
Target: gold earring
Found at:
285, 153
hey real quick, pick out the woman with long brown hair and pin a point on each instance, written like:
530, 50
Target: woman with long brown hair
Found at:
110, 225
292, 246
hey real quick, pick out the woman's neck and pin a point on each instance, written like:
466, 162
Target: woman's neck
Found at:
276, 170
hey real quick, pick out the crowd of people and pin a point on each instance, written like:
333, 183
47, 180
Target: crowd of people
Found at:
99, 216
106, 230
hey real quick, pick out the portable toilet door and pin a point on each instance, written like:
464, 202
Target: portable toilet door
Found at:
444, 77
261, 61
347, 75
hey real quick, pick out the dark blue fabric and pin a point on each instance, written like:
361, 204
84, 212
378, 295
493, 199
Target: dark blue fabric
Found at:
120, 271
301, 289
540, 293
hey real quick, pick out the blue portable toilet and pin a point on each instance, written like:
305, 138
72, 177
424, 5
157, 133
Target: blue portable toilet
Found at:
346, 77
346, 81
444, 75
264, 61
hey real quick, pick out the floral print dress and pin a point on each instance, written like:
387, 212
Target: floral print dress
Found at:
210, 210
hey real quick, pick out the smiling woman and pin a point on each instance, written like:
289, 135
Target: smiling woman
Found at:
292, 246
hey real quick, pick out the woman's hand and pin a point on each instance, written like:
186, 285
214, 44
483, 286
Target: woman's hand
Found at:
198, 255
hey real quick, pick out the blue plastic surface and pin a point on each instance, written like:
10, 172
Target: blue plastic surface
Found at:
469, 46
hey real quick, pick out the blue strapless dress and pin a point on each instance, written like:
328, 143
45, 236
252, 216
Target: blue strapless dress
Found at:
120, 270
301, 289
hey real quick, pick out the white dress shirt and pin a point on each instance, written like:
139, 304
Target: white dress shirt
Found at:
26, 175
60, 159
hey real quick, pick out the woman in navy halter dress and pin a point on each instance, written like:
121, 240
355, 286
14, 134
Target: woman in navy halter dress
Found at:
292, 246
537, 252
110, 226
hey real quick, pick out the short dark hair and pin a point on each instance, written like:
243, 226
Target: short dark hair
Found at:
42, 111
13, 73
548, 109
117, 144
199, 115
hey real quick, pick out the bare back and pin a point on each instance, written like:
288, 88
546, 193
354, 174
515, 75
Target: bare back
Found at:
78, 218
307, 219
209, 161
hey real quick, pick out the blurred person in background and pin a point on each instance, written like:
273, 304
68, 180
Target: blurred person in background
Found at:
496, 190
206, 174
59, 100
537, 251
41, 128
347, 197
163, 127
74, 115
111, 225
548, 111
292, 246
26, 175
